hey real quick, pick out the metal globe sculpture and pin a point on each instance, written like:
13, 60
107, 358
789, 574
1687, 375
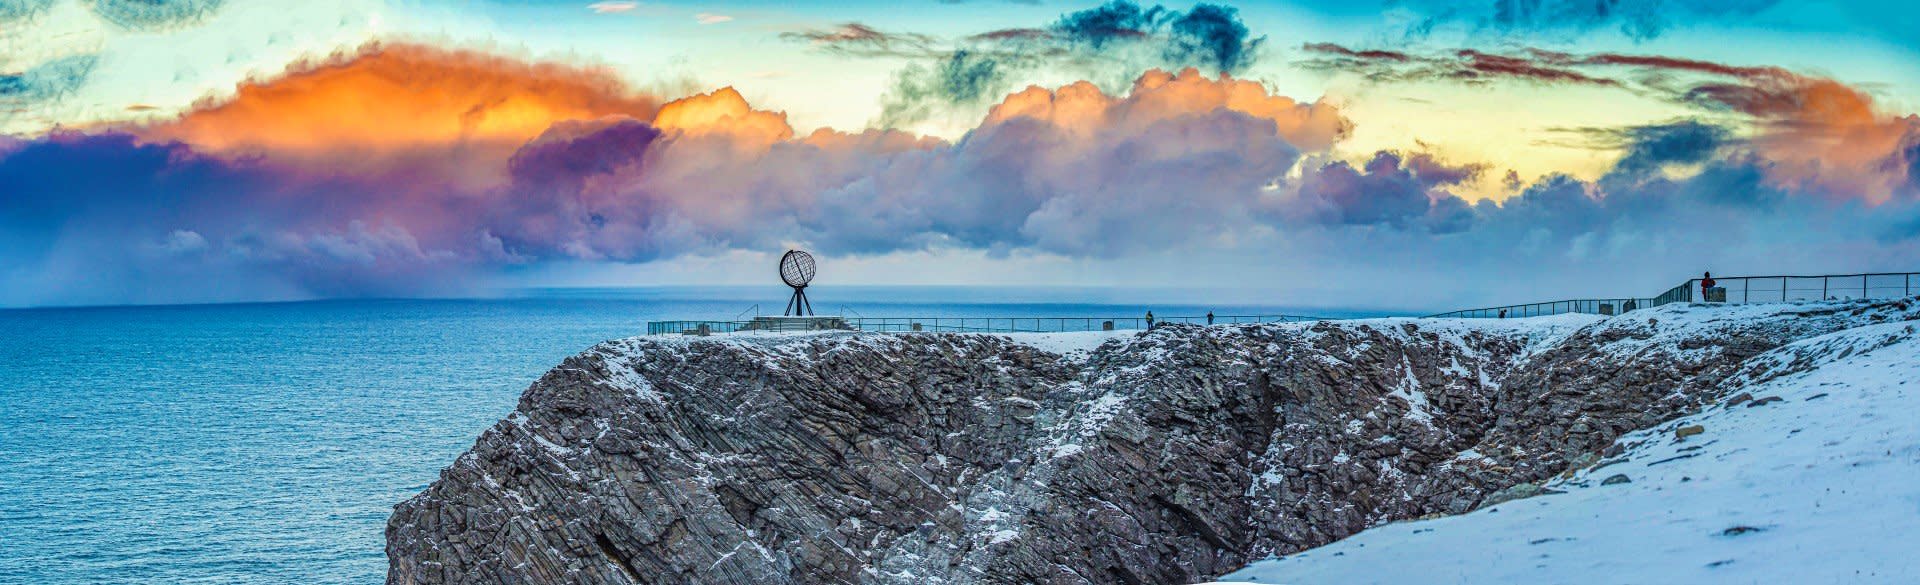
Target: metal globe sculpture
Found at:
796, 269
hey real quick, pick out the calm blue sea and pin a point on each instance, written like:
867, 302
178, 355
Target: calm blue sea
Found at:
267, 443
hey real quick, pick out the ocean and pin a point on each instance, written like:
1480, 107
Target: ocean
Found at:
268, 442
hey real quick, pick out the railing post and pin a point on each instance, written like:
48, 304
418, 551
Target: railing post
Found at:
1863, 286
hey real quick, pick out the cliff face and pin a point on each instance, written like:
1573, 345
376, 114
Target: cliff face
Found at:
1160, 457
1802, 474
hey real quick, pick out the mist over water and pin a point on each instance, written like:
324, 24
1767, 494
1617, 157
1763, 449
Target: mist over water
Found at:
267, 443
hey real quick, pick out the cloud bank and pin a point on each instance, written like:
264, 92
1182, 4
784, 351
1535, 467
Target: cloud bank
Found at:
342, 177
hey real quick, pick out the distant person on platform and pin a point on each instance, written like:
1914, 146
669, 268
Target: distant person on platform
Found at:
1209, 317
1706, 282
1149, 319
1503, 313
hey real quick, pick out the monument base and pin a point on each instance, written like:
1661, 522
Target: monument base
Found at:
807, 323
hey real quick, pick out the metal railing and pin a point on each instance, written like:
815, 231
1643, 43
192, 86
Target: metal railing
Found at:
693, 327
1776, 289
983, 324
1739, 289
1588, 306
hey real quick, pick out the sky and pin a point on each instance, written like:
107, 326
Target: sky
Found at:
1399, 154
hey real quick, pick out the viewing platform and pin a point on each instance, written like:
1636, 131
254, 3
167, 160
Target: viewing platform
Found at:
1730, 289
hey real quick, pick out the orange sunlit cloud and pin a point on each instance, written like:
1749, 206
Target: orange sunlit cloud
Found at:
1158, 95
1827, 135
391, 99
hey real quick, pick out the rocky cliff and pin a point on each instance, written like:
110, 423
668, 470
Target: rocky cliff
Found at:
1160, 457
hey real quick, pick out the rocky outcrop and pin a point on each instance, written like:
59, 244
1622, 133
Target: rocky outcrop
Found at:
1159, 457
1565, 406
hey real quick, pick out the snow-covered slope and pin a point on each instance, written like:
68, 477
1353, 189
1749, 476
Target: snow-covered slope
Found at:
1808, 472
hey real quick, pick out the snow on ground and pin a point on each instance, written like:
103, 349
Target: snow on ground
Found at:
1540, 332
1821, 485
1070, 343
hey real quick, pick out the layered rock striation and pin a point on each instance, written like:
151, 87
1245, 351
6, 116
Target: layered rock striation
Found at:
1158, 457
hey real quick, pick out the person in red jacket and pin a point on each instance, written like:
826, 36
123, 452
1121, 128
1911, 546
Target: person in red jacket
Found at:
1706, 282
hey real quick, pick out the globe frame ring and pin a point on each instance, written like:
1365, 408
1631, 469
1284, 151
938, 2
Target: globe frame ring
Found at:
797, 268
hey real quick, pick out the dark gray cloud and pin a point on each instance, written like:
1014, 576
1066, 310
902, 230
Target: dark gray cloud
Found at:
1212, 35
1464, 66
17, 10
964, 78
860, 40
46, 81
1650, 148
1115, 21
154, 15
1653, 147
1635, 19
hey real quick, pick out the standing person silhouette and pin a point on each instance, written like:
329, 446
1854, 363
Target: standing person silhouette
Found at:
1706, 282
1209, 317
1149, 319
